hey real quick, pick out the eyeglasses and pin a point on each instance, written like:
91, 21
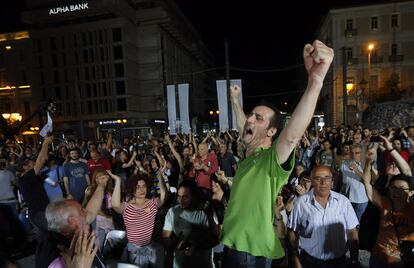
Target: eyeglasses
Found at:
324, 179
392, 188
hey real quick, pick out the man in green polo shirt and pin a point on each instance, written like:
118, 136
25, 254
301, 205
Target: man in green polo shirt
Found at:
248, 232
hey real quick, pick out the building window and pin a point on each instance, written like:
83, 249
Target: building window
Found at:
39, 45
75, 41
85, 56
21, 55
64, 59
349, 53
52, 43
56, 76
95, 90
116, 34
103, 71
42, 78
57, 93
100, 37
65, 73
90, 38
394, 49
89, 104
62, 39
91, 55
76, 56
104, 89
84, 39
95, 106
120, 87
118, 52
374, 23
122, 105
88, 91
101, 51
86, 73
394, 21
106, 106
119, 70
349, 24
54, 60
68, 112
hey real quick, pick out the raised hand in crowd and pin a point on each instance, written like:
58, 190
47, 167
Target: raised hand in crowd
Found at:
81, 252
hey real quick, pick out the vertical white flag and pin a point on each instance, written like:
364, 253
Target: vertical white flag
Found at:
172, 114
237, 82
48, 127
222, 104
184, 114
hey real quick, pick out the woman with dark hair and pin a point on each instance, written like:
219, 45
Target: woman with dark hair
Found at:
397, 215
139, 212
104, 220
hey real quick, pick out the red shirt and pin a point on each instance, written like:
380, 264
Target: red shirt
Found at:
203, 177
100, 163
139, 222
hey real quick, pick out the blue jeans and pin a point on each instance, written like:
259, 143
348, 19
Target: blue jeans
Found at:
233, 259
359, 209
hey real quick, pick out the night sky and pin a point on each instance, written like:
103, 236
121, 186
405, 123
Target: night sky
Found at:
262, 35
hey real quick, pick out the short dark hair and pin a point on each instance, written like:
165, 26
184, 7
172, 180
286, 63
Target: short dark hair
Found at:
276, 120
194, 190
131, 184
74, 149
401, 177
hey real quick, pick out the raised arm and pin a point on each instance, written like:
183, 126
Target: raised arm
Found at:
42, 157
174, 151
163, 185
117, 205
317, 59
373, 195
131, 161
399, 160
238, 110
109, 141
95, 203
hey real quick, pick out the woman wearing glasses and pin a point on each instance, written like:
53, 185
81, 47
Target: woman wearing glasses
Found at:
396, 228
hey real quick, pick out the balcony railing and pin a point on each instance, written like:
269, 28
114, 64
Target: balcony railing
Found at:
352, 61
395, 58
377, 59
350, 32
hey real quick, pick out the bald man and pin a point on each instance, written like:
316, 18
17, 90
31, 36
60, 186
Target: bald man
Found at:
323, 223
204, 165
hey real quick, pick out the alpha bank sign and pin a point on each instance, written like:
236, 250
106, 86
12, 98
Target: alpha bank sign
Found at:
68, 8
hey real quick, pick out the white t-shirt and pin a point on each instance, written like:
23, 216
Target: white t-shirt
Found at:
192, 225
6, 190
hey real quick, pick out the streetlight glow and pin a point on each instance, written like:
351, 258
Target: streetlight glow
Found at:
211, 112
370, 47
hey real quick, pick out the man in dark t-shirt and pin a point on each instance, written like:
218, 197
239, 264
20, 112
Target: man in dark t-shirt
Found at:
53, 230
226, 161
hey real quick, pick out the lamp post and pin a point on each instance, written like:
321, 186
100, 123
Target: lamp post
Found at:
214, 114
371, 47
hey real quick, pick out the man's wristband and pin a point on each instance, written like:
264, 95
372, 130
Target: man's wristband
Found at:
391, 150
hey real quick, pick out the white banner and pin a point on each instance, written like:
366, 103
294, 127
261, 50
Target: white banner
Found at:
237, 82
48, 128
222, 104
184, 114
172, 113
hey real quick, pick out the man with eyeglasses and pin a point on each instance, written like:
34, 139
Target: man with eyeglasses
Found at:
322, 226
352, 183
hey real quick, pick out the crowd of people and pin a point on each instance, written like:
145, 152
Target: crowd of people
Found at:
262, 196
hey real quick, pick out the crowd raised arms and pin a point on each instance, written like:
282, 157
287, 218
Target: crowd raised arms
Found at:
297, 196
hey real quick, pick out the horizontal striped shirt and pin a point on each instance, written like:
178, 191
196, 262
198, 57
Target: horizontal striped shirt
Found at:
323, 231
139, 222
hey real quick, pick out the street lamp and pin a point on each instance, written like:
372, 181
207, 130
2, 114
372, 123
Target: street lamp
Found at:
371, 47
12, 117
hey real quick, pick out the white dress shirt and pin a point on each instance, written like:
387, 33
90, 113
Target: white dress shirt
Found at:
323, 231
